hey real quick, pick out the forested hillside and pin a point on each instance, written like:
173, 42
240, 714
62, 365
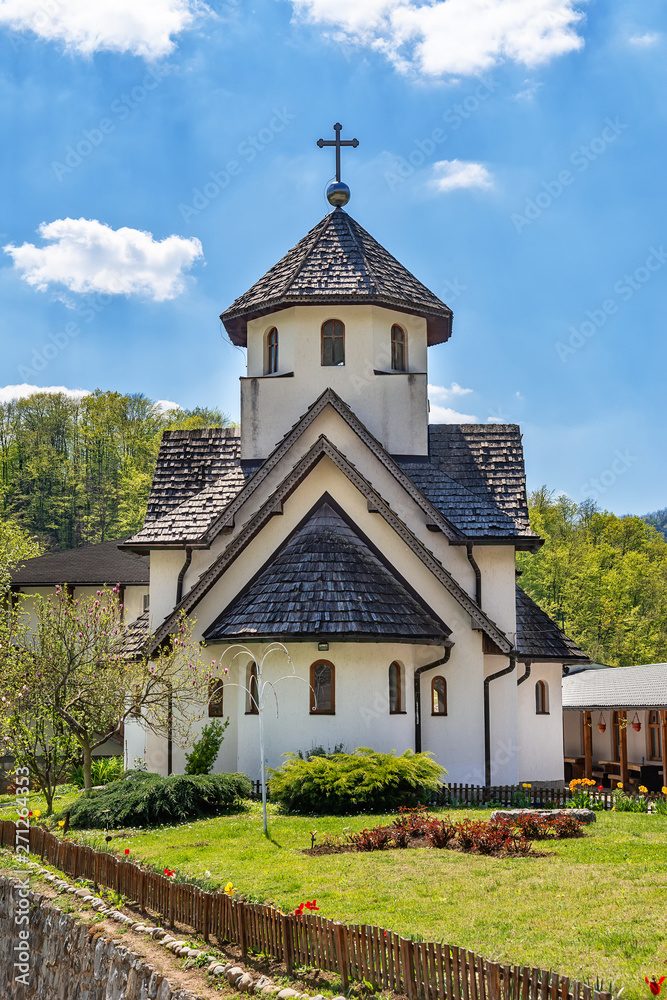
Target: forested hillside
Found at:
658, 520
602, 577
76, 472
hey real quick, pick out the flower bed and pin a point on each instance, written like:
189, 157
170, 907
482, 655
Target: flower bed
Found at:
501, 836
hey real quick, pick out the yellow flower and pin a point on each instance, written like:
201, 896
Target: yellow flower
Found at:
664, 789
527, 784
619, 784
37, 813
229, 888
643, 789
61, 822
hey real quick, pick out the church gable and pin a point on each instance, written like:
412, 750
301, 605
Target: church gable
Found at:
327, 582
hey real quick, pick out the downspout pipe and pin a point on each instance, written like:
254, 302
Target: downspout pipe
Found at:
526, 675
487, 715
418, 697
181, 575
478, 575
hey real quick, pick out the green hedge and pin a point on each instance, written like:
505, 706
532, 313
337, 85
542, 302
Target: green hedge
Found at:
144, 799
359, 782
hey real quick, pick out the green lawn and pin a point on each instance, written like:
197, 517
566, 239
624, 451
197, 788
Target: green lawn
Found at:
591, 907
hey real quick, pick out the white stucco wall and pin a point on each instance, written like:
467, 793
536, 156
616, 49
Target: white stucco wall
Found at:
392, 406
540, 737
165, 566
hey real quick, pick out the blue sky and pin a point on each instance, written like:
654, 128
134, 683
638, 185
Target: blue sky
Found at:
512, 155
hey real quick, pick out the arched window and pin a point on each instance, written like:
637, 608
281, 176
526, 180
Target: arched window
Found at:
252, 692
438, 696
333, 342
395, 688
541, 698
398, 349
215, 698
322, 688
654, 737
271, 366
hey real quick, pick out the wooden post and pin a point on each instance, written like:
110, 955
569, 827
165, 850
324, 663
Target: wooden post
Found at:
492, 981
663, 733
243, 938
588, 745
288, 950
172, 903
623, 741
206, 916
408, 968
340, 944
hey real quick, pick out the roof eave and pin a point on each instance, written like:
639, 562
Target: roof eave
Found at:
331, 638
438, 326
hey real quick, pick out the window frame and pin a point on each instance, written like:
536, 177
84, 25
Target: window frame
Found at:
541, 699
272, 349
332, 668
396, 345
439, 677
215, 684
398, 708
333, 336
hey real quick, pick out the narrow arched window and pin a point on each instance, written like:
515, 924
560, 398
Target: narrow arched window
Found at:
395, 688
322, 688
272, 351
252, 690
333, 342
398, 349
215, 698
438, 696
541, 698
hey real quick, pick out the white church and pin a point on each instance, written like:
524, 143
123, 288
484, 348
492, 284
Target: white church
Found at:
377, 548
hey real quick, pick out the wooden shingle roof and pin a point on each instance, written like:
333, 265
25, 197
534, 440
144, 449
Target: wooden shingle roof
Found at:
338, 262
538, 637
89, 565
327, 582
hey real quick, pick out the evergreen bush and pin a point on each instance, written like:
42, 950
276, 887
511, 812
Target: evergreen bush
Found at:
141, 798
363, 781
206, 749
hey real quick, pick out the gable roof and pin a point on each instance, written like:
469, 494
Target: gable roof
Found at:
539, 638
89, 565
274, 504
487, 459
327, 581
188, 462
643, 686
338, 262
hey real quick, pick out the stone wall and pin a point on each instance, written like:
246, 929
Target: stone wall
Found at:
67, 959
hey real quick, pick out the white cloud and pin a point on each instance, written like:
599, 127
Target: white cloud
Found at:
11, 392
88, 256
646, 40
439, 413
453, 174
459, 37
144, 28
527, 93
164, 405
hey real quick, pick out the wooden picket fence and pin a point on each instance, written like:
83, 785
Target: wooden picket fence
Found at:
419, 970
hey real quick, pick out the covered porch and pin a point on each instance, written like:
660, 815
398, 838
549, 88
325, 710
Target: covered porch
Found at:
615, 725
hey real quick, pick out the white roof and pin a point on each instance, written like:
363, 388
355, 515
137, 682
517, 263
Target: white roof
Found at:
617, 687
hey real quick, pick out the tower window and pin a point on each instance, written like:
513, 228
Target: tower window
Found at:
541, 698
272, 351
438, 696
322, 688
333, 343
398, 351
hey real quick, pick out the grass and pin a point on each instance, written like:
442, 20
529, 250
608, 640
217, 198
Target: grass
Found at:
589, 908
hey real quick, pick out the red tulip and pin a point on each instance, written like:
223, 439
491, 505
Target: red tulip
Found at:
127, 850
655, 985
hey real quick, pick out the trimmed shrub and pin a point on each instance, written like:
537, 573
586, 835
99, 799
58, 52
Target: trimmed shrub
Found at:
145, 799
205, 750
363, 781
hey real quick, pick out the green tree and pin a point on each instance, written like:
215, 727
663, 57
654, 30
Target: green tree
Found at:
602, 577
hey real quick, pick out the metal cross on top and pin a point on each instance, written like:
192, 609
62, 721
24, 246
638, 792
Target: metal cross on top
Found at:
337, 142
